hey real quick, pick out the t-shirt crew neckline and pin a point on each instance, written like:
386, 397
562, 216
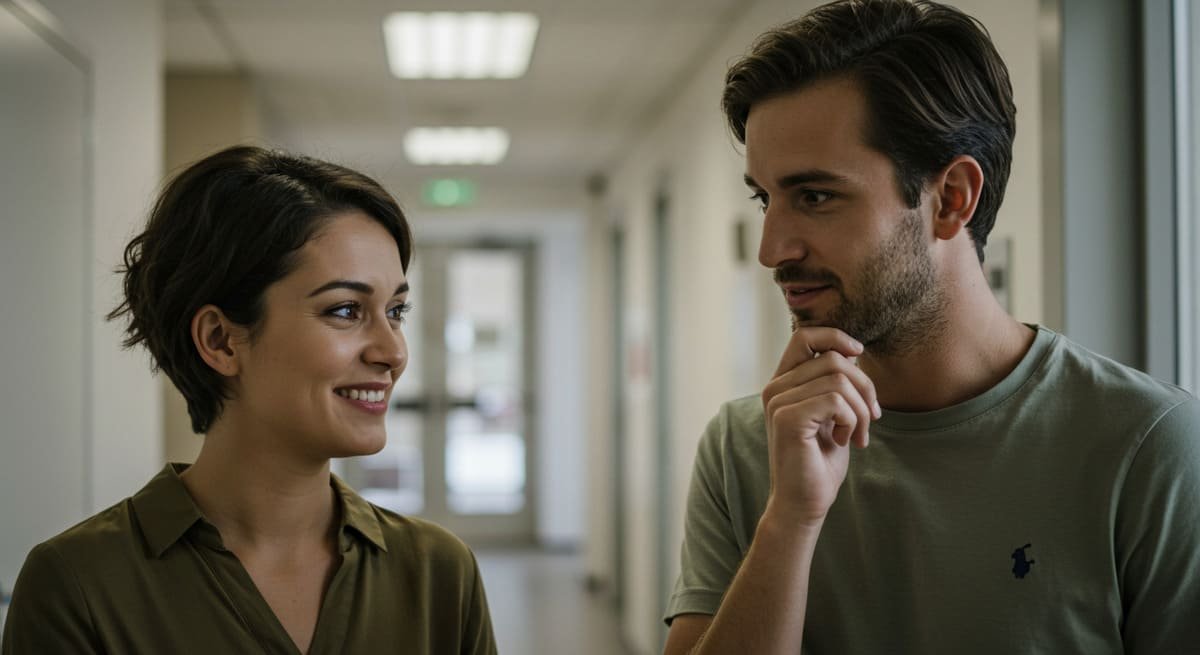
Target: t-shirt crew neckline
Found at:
1034, 359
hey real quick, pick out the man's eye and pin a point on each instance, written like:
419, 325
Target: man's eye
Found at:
815, 197
348, 312
761, 199
397, 313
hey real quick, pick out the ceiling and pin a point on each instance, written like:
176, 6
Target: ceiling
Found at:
600, 71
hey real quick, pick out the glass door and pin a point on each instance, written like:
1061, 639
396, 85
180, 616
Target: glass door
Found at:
459, 441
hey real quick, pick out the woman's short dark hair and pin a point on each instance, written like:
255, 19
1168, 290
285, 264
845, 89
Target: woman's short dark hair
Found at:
934, 84
221, 232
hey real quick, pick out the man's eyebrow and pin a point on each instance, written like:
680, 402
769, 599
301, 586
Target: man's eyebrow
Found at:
353, 285
799, 178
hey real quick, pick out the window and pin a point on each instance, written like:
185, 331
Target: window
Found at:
1187, 164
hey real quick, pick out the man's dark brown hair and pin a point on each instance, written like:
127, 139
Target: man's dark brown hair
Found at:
935, 88
222, 231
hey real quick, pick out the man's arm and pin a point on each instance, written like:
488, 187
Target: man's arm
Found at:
1158, 537
763, 612
815, 406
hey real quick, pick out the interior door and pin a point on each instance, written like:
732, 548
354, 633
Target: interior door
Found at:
460, 445
45, 256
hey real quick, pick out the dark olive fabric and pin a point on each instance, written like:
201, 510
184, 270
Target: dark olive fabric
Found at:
150, 575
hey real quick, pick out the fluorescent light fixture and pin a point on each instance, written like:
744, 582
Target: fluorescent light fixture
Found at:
472, 45
447, 146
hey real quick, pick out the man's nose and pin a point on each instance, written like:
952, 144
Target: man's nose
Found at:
781, 240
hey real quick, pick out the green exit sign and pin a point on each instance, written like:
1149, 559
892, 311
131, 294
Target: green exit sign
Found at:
449, 192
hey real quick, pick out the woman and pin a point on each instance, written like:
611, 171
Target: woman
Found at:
271, 290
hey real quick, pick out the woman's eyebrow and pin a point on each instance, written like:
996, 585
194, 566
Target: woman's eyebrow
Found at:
353, 285
360, 287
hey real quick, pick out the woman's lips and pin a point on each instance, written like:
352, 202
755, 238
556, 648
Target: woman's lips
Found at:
370, 406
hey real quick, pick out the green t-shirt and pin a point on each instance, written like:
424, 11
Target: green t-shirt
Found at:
150, 576
1058, 512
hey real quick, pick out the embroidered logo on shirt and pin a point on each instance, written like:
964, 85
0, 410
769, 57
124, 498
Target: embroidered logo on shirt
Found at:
1021, 566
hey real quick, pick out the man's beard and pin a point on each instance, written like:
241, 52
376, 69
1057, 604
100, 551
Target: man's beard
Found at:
896, 304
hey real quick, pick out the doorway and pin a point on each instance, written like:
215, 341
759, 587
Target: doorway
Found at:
460, 446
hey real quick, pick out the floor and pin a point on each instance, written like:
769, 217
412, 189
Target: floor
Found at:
539, 605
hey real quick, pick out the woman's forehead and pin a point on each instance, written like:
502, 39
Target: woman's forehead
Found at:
352, 246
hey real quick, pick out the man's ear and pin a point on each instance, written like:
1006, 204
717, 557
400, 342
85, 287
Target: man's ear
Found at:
215, 338
956, 192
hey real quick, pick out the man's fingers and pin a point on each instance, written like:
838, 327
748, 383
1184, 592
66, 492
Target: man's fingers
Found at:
806, 342
808, 415
828, 364
836, 384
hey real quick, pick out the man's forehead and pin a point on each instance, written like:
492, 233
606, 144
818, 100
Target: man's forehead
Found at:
819, 127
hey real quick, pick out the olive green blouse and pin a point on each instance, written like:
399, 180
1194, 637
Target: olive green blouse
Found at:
151, 575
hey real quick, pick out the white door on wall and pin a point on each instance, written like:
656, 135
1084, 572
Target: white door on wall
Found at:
460, 444
44, 288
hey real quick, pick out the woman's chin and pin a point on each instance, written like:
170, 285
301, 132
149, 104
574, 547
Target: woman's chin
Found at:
362, 445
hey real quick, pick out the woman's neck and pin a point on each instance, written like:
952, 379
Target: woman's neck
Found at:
260, 498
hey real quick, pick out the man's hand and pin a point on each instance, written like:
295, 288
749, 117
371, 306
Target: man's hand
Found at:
817, 404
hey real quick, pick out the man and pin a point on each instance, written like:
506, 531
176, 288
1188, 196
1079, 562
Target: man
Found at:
1019, 494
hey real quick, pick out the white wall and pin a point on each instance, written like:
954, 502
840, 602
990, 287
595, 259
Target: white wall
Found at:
126, 47
720, 311
124, 43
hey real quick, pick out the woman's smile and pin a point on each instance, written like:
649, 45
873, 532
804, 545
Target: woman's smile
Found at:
369, 397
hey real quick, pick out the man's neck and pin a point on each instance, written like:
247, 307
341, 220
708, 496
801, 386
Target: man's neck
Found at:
976, 346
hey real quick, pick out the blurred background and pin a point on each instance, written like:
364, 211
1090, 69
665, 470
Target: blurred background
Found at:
585, 286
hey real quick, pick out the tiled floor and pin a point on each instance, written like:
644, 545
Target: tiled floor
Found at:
539, 605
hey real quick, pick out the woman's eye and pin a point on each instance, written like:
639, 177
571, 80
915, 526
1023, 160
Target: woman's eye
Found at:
397, 313
348, 312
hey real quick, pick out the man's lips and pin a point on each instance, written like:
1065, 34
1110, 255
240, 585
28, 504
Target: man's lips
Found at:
802, 295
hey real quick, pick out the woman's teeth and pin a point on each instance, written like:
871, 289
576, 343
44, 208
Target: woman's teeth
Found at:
356, 394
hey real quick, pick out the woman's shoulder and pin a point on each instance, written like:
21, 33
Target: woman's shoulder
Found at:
426, 538
405, 538
92, 552
94, 538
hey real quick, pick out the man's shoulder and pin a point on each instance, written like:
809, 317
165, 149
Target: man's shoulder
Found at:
743, 414
736, 433
1093, 380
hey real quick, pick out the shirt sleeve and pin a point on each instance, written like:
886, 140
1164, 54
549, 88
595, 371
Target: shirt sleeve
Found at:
709, 556
1158, 537
478, 638
48, 614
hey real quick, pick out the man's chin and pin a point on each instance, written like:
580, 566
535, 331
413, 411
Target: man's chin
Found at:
805, 318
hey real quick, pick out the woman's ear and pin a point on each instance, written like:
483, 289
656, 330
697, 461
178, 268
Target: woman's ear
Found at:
957, 191
214, 336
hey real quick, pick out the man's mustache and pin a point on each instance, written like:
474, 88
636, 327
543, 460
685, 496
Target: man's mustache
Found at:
794, 273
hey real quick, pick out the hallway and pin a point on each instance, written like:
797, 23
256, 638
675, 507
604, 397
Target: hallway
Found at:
539, 605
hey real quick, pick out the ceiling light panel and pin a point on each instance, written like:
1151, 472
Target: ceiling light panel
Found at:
471, 45
456, 146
